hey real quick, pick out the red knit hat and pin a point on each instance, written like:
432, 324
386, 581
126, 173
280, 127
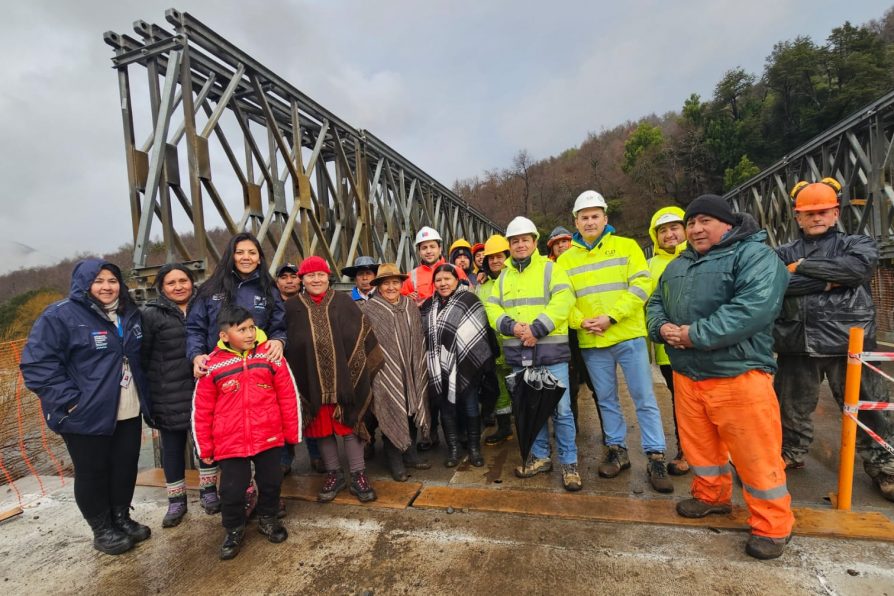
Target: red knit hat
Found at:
312, 265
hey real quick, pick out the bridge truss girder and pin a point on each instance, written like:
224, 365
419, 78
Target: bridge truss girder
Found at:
310, 183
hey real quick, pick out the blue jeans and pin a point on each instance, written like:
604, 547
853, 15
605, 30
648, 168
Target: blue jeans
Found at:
633, 357
563, 423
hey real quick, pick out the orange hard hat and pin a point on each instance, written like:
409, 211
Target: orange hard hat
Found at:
814, 197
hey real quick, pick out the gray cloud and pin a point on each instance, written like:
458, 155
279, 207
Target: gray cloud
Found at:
457, 87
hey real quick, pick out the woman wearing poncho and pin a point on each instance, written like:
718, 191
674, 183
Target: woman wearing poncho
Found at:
460, 349
335, 355
400, 389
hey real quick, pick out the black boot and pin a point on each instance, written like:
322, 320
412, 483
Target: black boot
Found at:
107, 538
448, 419
395, 462
232, 543
411, 456
473, 428
503, 432
121, 520
272, 528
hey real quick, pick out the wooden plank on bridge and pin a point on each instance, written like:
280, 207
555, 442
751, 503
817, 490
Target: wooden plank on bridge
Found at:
808, 522
390, 495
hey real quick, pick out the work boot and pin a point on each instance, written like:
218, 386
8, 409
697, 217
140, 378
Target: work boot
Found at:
449, 421
678, 466
658, 478
615, 460
571, 478
696, 508
106, 537
534, 466
272, 528
412, 460
473, 429
176, 511
395, 462
361, 488
209, 500
333, 484
791, 463
762, 547
232, 543
121, 520
885, 484
503, 432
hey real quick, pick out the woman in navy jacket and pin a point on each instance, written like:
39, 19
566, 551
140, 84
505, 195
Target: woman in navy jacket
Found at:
82, 360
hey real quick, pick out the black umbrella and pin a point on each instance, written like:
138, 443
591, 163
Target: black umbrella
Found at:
535, 393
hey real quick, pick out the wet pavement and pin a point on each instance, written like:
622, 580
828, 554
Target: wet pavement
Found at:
353, 549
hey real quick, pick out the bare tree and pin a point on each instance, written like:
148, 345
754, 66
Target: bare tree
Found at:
521, 164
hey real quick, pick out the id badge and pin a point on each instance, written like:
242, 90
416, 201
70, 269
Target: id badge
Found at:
125, 375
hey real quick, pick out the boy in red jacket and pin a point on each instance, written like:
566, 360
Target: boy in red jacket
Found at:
244, 410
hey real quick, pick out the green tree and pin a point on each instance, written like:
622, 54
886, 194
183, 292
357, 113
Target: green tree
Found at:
744, 170
644, 137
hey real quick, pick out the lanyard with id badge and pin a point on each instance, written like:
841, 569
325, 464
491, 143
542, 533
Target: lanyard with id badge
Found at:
126, 376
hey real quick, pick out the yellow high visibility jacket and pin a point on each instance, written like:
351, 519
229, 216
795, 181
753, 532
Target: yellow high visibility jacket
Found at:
658, 263
539, 295
612, 279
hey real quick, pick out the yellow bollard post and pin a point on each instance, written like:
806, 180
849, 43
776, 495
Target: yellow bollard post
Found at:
848, 426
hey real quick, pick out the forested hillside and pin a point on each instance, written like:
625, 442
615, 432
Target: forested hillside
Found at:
711, 144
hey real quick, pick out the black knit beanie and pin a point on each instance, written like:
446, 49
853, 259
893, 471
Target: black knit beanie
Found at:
712, 205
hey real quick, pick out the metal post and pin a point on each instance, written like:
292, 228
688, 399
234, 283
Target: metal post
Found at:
848, 426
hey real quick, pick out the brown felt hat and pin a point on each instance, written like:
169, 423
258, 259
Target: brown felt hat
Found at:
387, 270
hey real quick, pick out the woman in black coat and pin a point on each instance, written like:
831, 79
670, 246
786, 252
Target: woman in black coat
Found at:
171, 385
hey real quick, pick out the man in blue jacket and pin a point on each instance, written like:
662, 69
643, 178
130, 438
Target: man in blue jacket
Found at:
827, 295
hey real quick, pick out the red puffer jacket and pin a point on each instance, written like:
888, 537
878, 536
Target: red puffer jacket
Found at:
244, 405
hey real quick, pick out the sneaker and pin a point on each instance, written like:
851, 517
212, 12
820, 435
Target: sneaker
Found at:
615, 460
791, 464
657, 470
696, 508
272, 528
885, 484
232, 543
534, 466
209, 500
763, 547
361, 488
571, 478
174, 515
333, 484
678, 466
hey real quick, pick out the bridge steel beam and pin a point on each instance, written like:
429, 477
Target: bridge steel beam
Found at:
260, 155
858, 153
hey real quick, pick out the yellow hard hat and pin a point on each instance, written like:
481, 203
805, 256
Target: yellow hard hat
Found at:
461, 243
495, 245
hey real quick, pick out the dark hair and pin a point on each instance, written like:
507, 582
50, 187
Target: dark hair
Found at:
124, 300
163, 273
223, 280
232, 315
451, 269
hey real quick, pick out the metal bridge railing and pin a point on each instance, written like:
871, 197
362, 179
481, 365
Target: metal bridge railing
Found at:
299, 177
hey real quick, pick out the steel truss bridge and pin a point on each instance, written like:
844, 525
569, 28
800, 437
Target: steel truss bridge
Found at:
858, 153
257, 154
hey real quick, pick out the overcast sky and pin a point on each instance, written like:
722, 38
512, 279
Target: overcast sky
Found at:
458, 87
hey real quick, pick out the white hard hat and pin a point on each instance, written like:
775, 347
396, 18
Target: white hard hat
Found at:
425, 234
587, 200
667, 218
521, 225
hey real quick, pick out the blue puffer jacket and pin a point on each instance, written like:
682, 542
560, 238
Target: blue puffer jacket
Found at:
201, 320
75, 356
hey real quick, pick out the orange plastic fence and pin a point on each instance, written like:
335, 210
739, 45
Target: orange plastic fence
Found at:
27, 448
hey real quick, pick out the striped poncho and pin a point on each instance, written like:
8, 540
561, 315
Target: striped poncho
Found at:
400, 390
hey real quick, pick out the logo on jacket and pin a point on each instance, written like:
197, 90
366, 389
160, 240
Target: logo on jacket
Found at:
231, 385
218, 297
100, 340
260, 302
138, 331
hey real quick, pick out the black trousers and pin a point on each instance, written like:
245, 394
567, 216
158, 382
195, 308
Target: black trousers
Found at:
668, 373
173, 455
235, 477
105, 467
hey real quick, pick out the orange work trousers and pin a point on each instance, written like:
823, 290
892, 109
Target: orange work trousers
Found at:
738, 418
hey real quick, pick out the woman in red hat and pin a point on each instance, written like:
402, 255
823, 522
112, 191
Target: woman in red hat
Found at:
335, 354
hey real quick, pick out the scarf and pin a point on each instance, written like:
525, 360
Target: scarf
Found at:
400, 390
457, 342
334, 347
